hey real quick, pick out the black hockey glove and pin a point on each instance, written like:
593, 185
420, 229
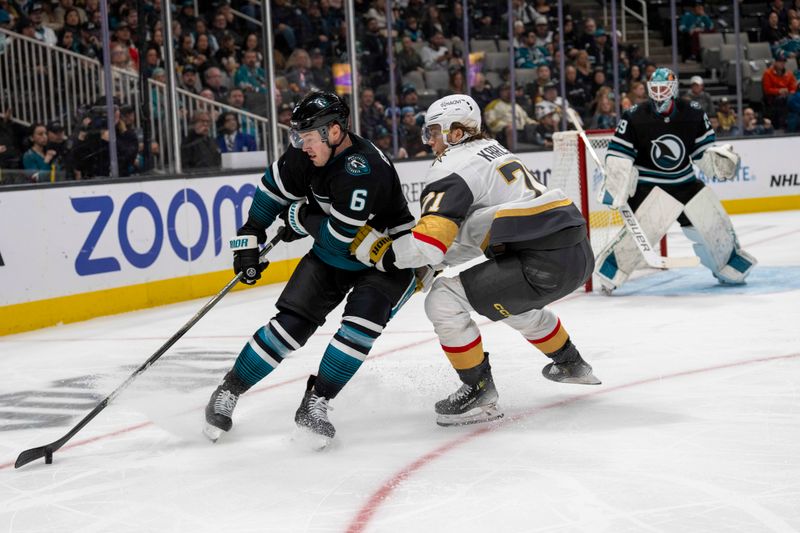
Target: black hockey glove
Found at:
294, 217
245, 253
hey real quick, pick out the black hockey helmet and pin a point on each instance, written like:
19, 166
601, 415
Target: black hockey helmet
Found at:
317, 110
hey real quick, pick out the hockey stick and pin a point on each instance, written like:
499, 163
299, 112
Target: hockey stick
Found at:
47, 451
629, 218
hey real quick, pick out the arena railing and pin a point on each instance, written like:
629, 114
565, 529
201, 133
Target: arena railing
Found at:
43, 83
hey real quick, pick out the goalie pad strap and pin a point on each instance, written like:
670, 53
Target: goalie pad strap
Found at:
621, 256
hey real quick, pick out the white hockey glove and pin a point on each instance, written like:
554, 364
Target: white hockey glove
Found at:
369, 245
619, 183
720, 161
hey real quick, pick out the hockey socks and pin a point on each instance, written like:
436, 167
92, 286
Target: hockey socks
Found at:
262, 354
344, 355
553, 341
465, 357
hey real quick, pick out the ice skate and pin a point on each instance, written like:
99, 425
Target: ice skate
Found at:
312, 417
569, 367
470, 404
221, 405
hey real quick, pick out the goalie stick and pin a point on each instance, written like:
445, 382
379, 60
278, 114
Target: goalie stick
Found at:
47, 451
629, 218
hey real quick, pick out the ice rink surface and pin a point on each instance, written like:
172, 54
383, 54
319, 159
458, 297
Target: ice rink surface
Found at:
695, 428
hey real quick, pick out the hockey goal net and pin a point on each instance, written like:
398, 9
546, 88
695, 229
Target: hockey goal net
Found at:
575, 172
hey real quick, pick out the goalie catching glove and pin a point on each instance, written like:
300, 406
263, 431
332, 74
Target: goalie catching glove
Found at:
246, 253
619, 182
369, 247
720, 162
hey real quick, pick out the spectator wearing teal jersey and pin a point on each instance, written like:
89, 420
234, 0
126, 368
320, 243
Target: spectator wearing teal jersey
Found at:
530, 55
38, 161
250, 77
694, 21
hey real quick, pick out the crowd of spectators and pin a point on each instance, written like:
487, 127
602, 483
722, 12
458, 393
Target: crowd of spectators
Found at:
218, 55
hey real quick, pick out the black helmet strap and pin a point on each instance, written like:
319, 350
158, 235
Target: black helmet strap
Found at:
327, 140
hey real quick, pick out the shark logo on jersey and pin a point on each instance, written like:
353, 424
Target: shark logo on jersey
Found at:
357, 165
667, 152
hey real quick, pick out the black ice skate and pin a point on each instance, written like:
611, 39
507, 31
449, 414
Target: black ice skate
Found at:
471, 404
221, 405
569, 367
312, 416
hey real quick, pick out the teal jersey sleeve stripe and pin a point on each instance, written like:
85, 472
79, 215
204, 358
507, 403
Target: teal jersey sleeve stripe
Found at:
616, 147
268, 180
264, 209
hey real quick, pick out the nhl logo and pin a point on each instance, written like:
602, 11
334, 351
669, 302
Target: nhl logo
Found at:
667, 152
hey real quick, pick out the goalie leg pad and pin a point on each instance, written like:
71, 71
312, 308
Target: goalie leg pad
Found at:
617, 261
714, 239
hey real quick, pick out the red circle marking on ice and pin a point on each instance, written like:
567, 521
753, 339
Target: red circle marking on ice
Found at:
368, 510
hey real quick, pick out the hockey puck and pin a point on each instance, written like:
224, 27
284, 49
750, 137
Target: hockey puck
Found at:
48, 457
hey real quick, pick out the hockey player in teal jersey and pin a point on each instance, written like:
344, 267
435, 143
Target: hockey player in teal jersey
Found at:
649, 165
328, 184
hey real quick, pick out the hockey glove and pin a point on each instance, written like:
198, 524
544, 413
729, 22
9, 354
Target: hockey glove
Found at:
245, 253
425, 276
293, 217
720, 161
620, 182
369, 246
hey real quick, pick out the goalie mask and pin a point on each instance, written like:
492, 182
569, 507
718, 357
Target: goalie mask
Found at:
444, 112
663, 89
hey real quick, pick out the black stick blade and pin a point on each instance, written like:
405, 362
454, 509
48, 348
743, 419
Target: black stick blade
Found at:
31, 455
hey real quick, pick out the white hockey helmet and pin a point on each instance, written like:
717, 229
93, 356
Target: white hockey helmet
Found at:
445, 111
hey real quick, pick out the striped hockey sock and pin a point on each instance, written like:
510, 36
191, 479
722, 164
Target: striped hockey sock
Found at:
344, 355
263, 353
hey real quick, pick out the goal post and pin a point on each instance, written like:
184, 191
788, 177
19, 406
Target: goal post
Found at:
575, 173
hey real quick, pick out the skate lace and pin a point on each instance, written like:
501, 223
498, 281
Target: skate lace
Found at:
318, 407
225, 402
461, 393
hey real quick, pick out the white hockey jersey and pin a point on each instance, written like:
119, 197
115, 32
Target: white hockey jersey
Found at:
479, 195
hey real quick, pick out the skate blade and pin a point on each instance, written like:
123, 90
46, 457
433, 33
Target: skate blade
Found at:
551, 372
310, 440
212, 433
486, 413
588, 379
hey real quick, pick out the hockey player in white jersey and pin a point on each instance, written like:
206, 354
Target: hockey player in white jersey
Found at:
649, 159
482, 200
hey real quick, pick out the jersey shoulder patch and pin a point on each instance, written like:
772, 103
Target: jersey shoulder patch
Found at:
357, 165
